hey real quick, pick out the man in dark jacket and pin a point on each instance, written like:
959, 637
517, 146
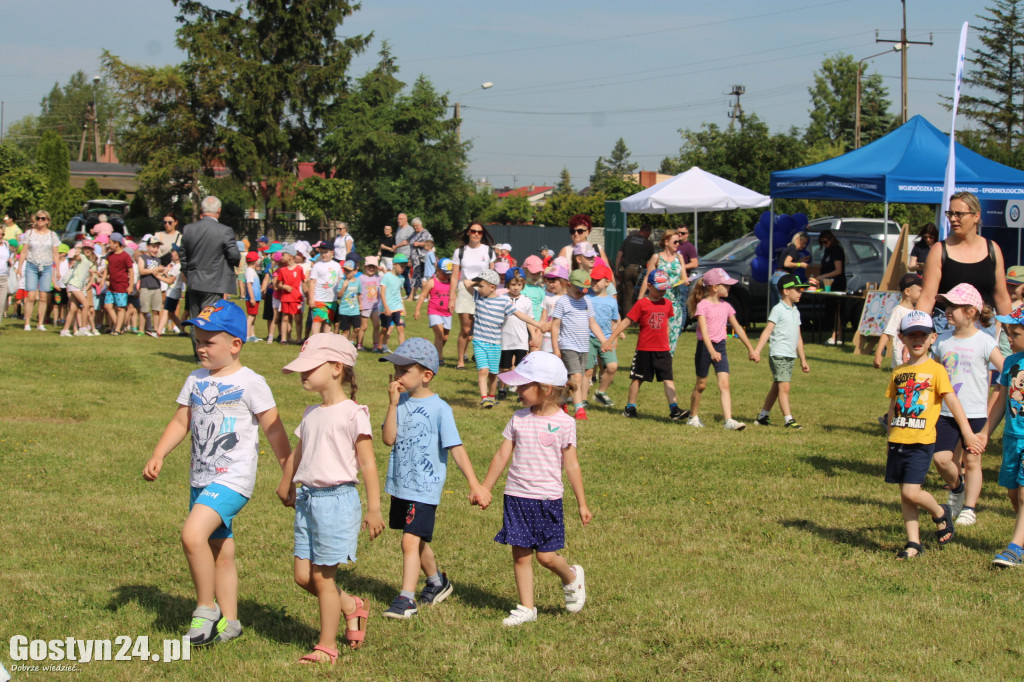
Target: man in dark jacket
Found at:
209, 255
633, 255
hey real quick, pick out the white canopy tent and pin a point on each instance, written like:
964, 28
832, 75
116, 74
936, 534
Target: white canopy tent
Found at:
693, 191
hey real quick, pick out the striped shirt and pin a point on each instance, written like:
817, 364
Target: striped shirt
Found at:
536, 468
490, 316
574, 332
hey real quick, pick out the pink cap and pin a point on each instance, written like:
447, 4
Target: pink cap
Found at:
103, 239
533, 264
321, 348
88, 242
964, 294
557, 272
371, 260
716, 276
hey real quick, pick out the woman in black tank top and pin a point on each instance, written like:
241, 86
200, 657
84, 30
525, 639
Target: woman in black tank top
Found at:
965, 256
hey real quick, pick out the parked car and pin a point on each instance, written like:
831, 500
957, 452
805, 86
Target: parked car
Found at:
78, 227
872, 226
750, 297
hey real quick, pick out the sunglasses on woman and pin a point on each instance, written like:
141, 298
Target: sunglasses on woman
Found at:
476, 231
579, 231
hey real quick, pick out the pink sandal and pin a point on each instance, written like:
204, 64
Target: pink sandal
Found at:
361, 616
332, 655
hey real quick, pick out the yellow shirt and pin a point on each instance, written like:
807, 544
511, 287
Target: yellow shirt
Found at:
11, 232
918, 390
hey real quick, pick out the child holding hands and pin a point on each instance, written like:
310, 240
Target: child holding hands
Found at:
1009, 400
335, 443
541, 441
783, 330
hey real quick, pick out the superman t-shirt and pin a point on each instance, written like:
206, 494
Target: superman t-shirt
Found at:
918, 390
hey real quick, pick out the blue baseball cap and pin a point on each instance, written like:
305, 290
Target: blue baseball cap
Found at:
224, 316
414, 351
658, 279
445, 265
512, 273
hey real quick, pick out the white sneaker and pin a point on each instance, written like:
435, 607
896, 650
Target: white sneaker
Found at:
65, 332
519, 615
575, 592
967, 517
695, 421
176, 329
733, 425
28, 327
41, 328
96, 332
82, 332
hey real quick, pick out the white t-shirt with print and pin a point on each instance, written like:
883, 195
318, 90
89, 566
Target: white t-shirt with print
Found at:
224, 427
471, 261
966, 362
325, 274
515, 334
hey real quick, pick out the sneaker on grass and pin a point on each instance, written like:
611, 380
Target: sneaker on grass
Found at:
968, 517
228, 630
678, 415
763, 421
630, 411
956, 499
603, 399
575, 592
204, 627
435, 594
733, 425
695, 422
520, 615
1008, 558
792, 424
401, 607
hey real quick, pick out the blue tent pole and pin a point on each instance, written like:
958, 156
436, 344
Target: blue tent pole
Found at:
771, 238
885, 244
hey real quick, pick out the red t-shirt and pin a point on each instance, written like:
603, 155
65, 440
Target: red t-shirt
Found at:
293, 277
653, 320
119, 265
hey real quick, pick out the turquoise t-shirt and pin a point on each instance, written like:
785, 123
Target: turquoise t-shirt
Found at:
393, 294
348, 291
1012, 377
536, 295
418, 464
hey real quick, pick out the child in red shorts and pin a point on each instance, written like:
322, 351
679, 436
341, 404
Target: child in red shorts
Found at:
289, 283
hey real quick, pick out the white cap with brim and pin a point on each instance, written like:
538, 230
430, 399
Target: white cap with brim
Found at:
540, 367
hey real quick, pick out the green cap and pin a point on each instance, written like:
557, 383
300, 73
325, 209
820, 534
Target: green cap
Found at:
580, 278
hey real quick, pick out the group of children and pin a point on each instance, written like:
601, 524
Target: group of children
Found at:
223, 404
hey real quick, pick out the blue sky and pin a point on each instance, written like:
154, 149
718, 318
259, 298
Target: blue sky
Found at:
570, 77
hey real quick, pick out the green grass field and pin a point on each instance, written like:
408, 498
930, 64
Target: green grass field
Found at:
712, 555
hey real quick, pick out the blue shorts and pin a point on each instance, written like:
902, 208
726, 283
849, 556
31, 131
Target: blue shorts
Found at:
327, 522
533, 524
908, 463
702, 359
221, 499
392, 320
487, 356
116, 300
1010, 475
947, 433
38, 277
414, 518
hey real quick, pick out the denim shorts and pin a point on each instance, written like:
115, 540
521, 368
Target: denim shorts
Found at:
118, 300
38, 277
487, 355
443, 320
221, 499
1010, 475
327, 522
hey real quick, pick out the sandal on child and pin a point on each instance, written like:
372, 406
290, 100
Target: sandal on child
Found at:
903, 554
332, 656
949, 529
361, 616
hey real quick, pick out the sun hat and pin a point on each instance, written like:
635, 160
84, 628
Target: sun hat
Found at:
601, 272
321, 348
414, 351
400, 258
580, 278
1016, 316
252, 257
557, 272
544, 368
917, 321
585, 249
789, 281
349, 265
224, 316
489, 276
659, 280
964, 294
1015, 274
445, 265
912, 278
533, 264
371, 260
716, 276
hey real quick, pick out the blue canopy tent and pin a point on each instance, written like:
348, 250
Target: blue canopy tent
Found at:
907, 166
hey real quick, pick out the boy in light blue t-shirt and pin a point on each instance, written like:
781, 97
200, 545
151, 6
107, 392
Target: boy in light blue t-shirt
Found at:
783, 330
1009, 401
421, 428
392, 312
606, 311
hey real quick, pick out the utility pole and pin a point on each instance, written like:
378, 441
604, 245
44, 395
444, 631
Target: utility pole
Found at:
903, 42
737, 108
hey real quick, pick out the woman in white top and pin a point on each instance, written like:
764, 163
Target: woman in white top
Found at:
37, 262
470, 259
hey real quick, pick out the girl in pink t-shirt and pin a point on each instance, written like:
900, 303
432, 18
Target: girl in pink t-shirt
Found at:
707, 303
335, 442
437, 293
541, 441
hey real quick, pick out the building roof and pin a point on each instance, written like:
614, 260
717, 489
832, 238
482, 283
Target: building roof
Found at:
94, 169
528, 191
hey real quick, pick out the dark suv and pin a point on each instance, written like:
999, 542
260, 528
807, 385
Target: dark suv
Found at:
750, 297
78, 227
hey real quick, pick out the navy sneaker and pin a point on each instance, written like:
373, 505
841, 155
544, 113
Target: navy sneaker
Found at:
678, 415
435, 594
402, 607
630, 412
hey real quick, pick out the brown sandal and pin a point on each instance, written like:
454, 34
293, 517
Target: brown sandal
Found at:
332, 656
361, 616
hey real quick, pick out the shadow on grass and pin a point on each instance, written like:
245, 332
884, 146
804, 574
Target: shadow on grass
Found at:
180, 357
833, 466
173, 612
867, 429
853, 538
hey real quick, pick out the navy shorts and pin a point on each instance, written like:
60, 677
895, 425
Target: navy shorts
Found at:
392, 320
947, 433
908, 463
702, 359
533, 524
414, 518
347, 322
511, 358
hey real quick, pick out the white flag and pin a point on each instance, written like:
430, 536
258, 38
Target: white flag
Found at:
949, 186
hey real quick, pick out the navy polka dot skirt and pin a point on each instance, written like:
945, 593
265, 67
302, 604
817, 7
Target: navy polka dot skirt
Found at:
535, 524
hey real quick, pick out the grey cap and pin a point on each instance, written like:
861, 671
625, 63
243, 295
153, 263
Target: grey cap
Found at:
414, 351
488, 276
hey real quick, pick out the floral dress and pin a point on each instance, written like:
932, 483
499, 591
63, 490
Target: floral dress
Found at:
677, 293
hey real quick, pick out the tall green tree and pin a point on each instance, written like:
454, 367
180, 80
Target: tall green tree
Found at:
279, 66
834, 104
400, 150
993, 94
616, 167
22, 187
564, 183
54, 162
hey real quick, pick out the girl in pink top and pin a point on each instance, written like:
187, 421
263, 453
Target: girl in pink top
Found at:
334, 444
541, 441
707, 303
436, 292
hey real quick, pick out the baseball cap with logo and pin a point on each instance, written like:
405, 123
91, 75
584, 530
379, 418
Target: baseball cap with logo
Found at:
489, 276
917, 321
415, 351
792, 282
512, 273
321, 348
1016, 316
349, 265
223, 316
659, 280
557, 272
580, 278
445, 265
964, 294
533, 264
1015, 274
540, 367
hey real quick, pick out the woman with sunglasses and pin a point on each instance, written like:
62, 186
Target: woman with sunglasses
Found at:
171, 236
965, 256
579, 232
38, 263
470, 259
669, 261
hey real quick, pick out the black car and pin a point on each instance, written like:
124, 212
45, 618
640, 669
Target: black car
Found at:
79, 226
750, 297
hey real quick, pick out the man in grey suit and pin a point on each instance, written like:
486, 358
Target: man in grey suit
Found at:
209, 255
